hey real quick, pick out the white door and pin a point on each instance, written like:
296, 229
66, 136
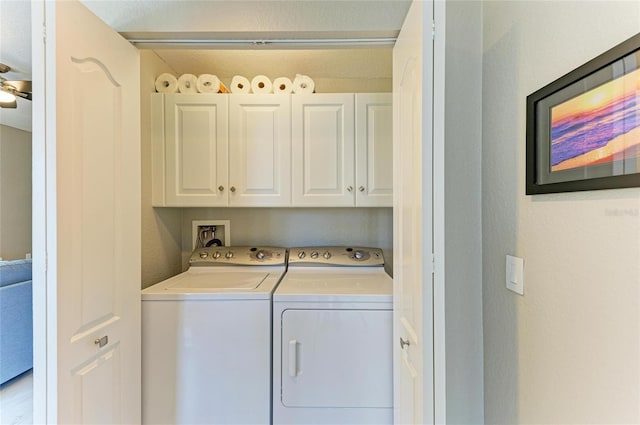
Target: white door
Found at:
323, 150
412, 216
87, 215
260, 150
196, 143
374, 150
336, 359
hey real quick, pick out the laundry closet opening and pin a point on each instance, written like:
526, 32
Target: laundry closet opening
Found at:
167, 230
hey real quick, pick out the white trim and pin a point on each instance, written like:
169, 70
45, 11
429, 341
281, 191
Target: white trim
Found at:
439, 301
154, 43
44, 218
39, 225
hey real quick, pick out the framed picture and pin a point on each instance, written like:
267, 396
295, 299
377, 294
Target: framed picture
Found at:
583, 130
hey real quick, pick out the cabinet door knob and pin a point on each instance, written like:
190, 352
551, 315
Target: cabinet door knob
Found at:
101, 342
233, 189
221, 188
350, 188
361, 188
404, 343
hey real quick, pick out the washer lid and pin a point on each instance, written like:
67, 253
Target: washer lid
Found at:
217, 283
203, 282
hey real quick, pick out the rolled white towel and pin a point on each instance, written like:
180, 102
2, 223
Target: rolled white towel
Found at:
261, 84
208, 83
303, 84
240, 84
282, 85
166, 83
187, 83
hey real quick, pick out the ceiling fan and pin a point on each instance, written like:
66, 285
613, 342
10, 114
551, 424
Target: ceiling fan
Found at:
11, 90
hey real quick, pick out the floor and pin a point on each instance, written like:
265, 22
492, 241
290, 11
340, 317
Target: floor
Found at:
16, 400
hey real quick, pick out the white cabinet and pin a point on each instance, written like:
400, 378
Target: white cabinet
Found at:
214, 150
318, 150
374, 150
342, 155
259, 150
190, 150
323, 151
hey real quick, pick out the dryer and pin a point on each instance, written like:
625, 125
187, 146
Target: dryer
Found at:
332, 338
206, 339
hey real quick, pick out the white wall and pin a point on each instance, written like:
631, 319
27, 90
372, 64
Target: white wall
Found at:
161, 237
463, 212
333, 71
290, 227
569, 350
15, 193
166, 232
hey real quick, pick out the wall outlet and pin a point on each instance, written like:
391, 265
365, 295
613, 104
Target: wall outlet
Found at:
515, 274
222, 232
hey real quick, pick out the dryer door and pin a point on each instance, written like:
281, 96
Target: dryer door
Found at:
337, 358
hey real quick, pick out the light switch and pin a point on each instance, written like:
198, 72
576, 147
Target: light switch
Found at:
515, 274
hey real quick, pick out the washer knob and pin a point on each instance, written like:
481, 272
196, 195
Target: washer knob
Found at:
358, 255
229, 254
216, 255
327, 255
203, 254
301, 255
314, 254
260, 255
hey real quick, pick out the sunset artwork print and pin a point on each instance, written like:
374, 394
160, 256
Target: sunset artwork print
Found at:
599, 126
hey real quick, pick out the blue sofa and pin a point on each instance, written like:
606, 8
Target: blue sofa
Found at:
16, 321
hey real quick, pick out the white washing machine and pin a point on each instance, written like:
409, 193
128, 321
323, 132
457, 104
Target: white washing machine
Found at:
206, 339
332, 338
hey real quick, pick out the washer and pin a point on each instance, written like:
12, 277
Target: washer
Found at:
206, 339
332, 338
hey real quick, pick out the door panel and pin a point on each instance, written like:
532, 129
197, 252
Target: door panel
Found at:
260, 150
98, 379
413, 219
89, 115
197, 149
336, 358
323, 150
374, 150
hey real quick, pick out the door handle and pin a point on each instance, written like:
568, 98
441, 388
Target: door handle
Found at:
404, 343
233, 189
293, 358
221, 188
101, 342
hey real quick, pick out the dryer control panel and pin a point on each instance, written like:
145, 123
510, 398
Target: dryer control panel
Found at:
346, 256
238, 256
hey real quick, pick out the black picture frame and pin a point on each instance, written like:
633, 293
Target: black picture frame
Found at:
550, 168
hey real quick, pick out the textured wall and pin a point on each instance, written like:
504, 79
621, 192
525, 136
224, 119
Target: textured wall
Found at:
15, 193
299, 227
166, 232
463, 215
161, 237
334, 71
566, 352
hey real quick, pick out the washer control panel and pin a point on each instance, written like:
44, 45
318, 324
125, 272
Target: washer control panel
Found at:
238, 256
348, 256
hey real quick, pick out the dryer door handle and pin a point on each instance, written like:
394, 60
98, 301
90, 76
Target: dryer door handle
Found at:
293, 358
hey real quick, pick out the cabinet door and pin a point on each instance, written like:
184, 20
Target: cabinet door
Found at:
336, 359
196, 144
260, 150
374, 150
322, 150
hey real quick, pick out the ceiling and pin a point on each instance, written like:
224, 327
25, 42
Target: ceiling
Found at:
205, 20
